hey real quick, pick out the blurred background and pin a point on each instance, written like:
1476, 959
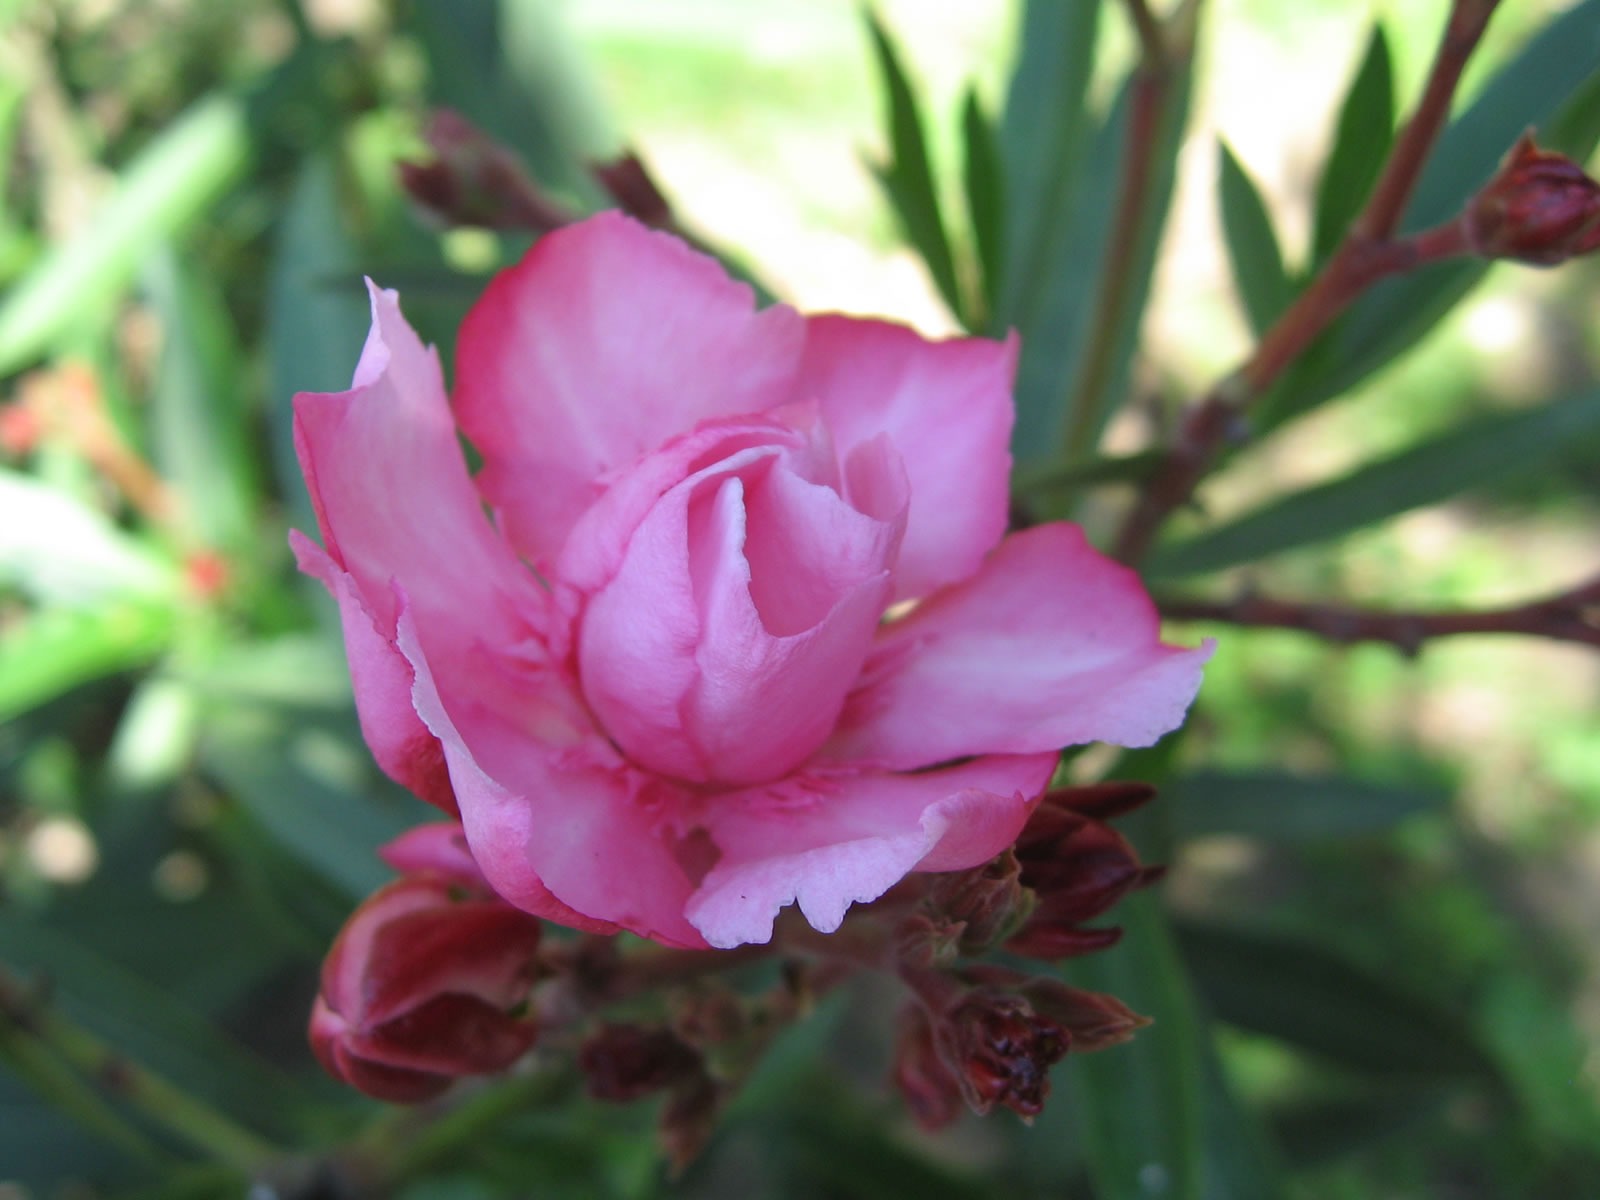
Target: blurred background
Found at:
1374, 965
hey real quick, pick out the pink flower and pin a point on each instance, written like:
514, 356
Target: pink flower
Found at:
659, 686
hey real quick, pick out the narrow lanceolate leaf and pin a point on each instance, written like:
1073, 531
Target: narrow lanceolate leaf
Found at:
51, 651
62, 553
1242, 1161
908, 175
1486, 451
509, 67
1361, 141
1258, 272
200, 434
1320, 1002
1139, 1106
1549, 87
1043, 134
167, 186
1281, 807
985, 197
317, 311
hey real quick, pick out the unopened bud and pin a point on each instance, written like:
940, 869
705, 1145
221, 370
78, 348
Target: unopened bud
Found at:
1000, 1050
1093, 1020
1539, 208
628, 182
474, 180
623, 1063
422, 986
930, 1089
688, 1119
989, 902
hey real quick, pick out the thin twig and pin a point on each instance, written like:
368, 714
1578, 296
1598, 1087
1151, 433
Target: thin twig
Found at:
1571, 616
1152, 43
1367, 254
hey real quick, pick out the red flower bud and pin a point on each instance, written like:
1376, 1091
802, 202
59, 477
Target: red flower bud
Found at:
1078, 867
988, 902
629, 183
1093, 1020
930, 1089
1000, 1050
626, 1062
1539, 208
474, 180
419, 988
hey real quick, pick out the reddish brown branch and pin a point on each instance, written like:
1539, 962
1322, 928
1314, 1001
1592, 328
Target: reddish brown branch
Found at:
1386, 205
1367, 254
1571, 616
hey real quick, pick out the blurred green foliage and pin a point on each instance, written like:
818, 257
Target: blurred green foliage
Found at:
1369, 965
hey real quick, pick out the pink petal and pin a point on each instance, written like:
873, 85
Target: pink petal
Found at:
395, 503
1050, 644
381, 679
605, 341
439, 848
560, 828
723, 648
947, 408
830, 841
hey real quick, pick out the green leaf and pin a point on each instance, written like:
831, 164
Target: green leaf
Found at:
1546, 86
1361, 141
172, 181
1315, 1000
985, 196
149, 1023
1487, 451
1324, 1130
1140, 1106
1281, 807
510, 67
1258, 273
1043, 135
1100, 373
310, 785
1242, 1161
317, 315
50, 651
60, 552
908, 175
200, 431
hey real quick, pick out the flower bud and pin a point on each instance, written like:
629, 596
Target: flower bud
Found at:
989, 901
623, 1063
1092, 1020
1539, 208
629, 183
1078, 867
474, 180
930, 1089
420, 987
999, 1050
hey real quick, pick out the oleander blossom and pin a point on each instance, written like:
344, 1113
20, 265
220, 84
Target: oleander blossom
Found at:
657, 653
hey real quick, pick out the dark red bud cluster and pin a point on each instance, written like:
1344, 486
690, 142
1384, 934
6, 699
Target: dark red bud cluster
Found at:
623, 1063
987, 903
1539, 208
992, 1045
474, 180
1078, 867
1005, 1050
422, 985
626, 181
